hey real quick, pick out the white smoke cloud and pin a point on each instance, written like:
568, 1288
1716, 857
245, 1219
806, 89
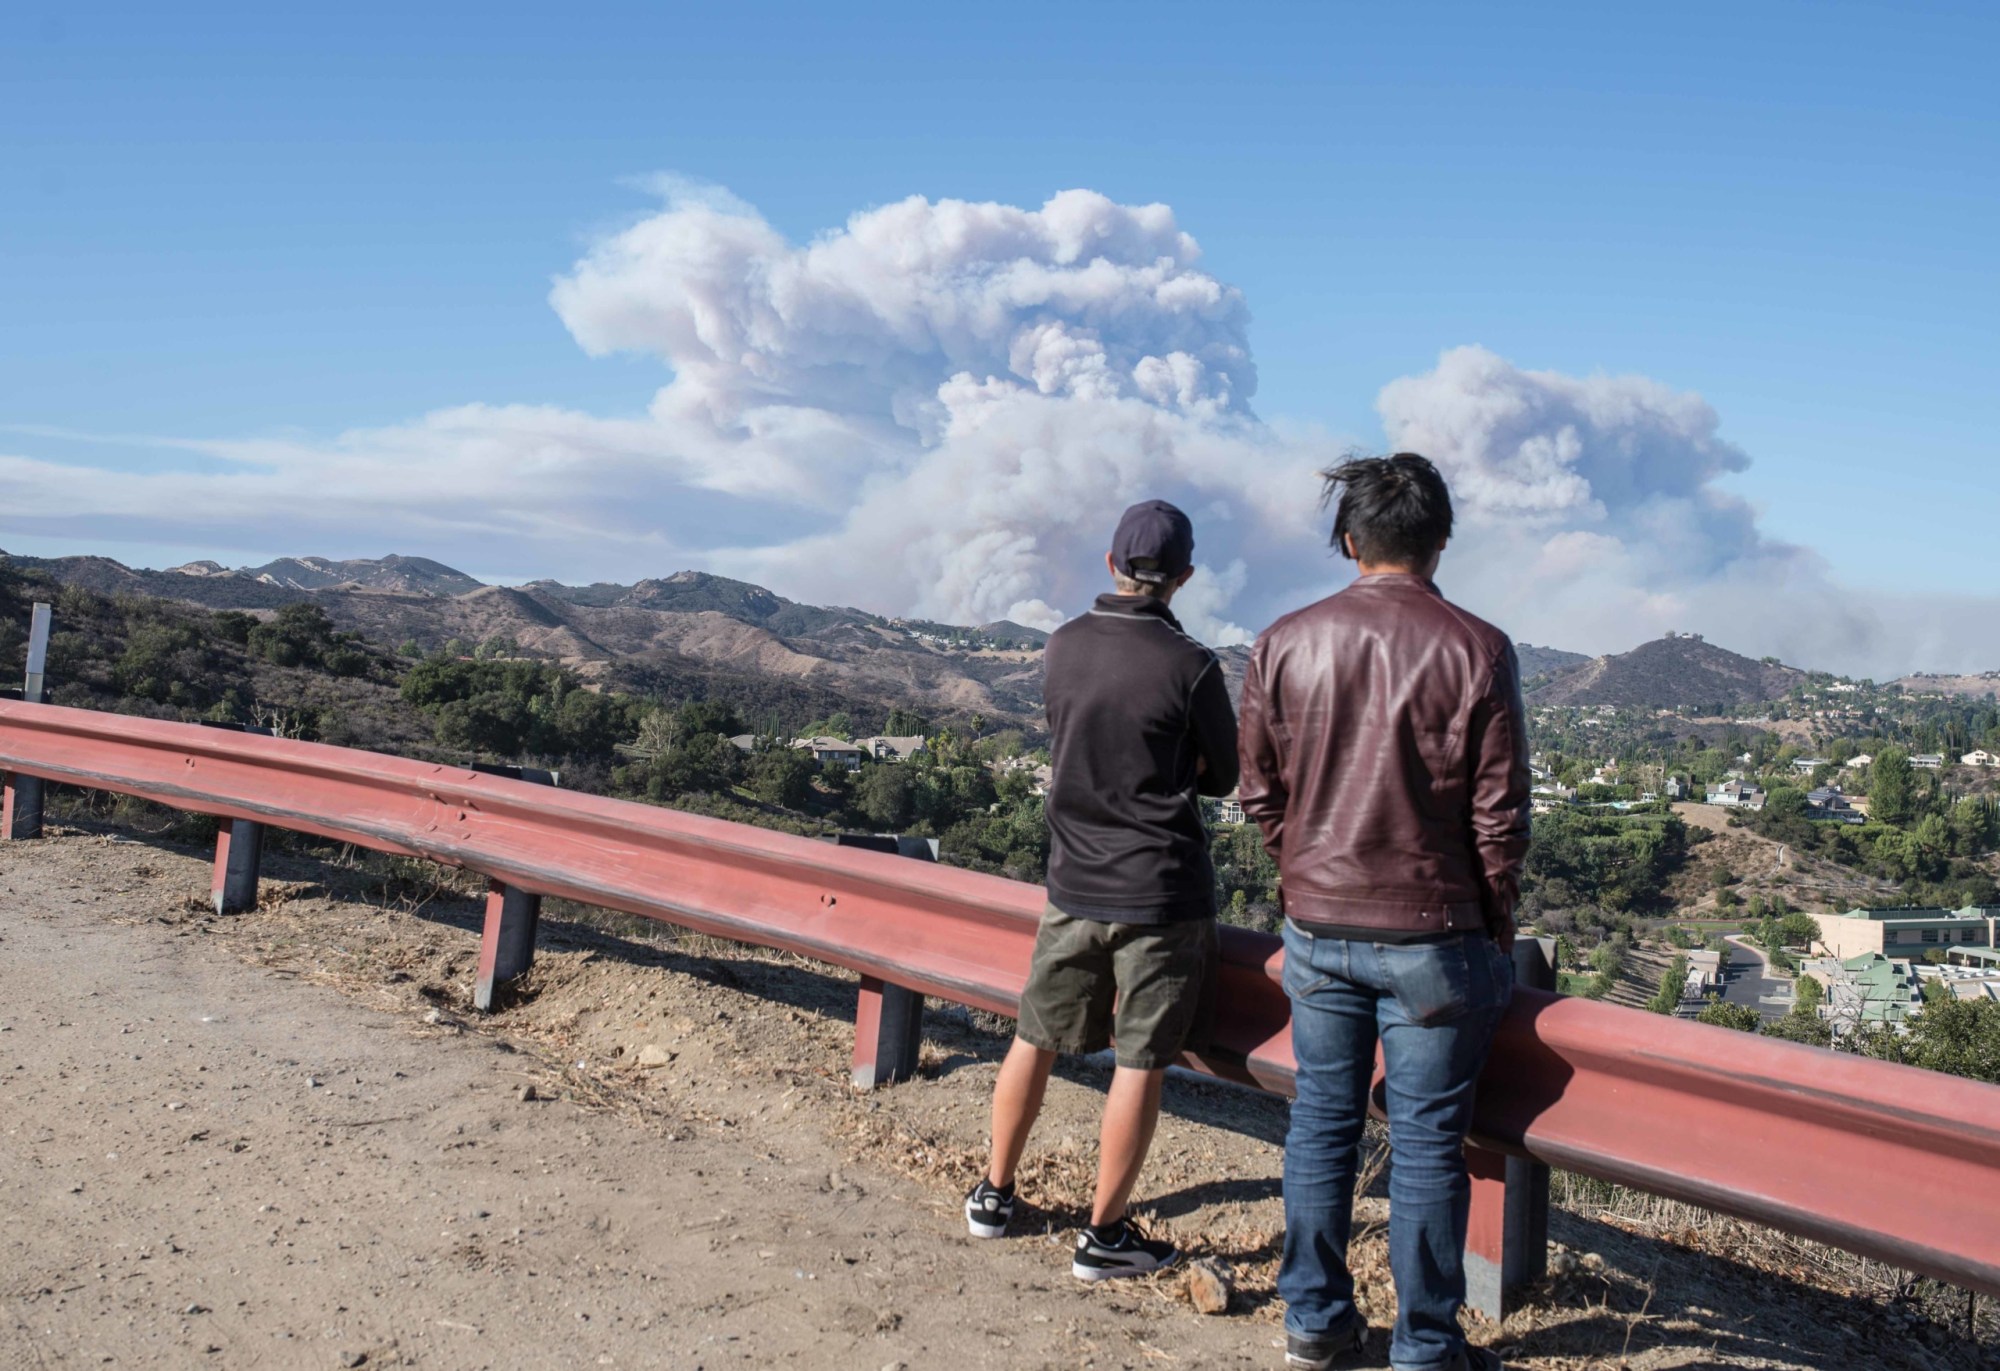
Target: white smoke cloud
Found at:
940, 408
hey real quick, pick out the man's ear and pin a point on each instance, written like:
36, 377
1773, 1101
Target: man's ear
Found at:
1184, 578
1347, 542
1110, 564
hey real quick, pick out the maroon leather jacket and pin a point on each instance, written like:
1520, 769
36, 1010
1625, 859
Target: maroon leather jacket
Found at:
1385, 758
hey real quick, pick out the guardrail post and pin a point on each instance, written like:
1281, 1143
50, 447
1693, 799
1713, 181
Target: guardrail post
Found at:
239, 851
1507, 1236
21, 796
888, 1019
507, 944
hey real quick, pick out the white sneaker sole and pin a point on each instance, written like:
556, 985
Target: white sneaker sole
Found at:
1107, 1273
984, 1230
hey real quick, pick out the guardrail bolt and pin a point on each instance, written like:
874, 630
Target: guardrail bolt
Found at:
889, 1019
507, 944
1507, 1236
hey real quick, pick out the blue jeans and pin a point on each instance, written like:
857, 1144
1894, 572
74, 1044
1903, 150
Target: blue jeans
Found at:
1433, 1007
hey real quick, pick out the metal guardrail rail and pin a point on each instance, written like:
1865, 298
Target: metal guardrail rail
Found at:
1883, 1160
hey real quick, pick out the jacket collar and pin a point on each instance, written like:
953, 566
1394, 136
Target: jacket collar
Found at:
1135, 607
1399, 580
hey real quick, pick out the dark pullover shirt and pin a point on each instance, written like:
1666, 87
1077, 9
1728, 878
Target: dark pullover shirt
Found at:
1134, 706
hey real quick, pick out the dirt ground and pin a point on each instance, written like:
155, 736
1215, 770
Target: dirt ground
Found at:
283, 1139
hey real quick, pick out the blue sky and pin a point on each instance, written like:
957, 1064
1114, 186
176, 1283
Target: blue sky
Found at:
225, 222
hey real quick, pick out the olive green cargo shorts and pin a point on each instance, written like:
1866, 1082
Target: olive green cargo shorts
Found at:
1163, 976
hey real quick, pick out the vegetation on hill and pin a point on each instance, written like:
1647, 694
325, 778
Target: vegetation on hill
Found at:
1669, 673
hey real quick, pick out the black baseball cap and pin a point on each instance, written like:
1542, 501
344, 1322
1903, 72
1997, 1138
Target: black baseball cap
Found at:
1154, 543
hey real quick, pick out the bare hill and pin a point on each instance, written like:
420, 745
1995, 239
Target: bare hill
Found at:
1977, 687
1537, 662
1677, 671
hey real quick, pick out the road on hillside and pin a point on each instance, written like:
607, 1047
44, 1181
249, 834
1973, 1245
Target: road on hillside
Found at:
1748, 981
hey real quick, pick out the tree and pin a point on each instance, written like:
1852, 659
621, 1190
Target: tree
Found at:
782, 776
1797, 930
1958, 1037
1723, 1014
885, 796
1892, 787
1668, 997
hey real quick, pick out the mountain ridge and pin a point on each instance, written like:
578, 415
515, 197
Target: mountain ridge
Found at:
658, 626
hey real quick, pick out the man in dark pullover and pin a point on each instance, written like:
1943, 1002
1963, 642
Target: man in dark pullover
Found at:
1140, 725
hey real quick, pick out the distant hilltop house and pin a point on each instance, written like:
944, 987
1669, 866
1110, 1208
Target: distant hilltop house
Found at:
1929, 761
887, 749
1550, 795
1981, 757
1229, 809
1858, 762
1906, 931
1829, 805
1679, 788
1038, 772
835, 753
1737, 795
1806, 766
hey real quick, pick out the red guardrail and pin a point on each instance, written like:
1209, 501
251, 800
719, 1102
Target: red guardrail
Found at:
1884, 1160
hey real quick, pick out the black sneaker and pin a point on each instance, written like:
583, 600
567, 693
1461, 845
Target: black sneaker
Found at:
1482, 1359
989, 1209
1327, 1352
1119, 1249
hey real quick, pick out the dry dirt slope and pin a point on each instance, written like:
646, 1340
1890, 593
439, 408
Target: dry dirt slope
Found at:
280, 1140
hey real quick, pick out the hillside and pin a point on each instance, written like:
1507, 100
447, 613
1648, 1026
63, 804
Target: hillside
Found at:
1675, 672
678, 635
406, 575
1974, 687
1537, 662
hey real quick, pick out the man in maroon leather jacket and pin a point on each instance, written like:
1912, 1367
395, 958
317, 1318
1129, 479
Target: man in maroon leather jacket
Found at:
1384, 756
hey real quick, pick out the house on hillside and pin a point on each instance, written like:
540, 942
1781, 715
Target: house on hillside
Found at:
1550, 796
1737, 795
1229, 809
1806, 766
744, 742
832, 753
1679, 788
888, 749
1827, 803
1929, 761
1981, 757
1858, 762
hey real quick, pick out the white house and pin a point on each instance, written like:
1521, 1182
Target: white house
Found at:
1806, 766
1737, 795
1929, 761
1979, 758
1857, 762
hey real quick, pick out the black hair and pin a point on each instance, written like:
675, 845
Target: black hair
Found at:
1398, 508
